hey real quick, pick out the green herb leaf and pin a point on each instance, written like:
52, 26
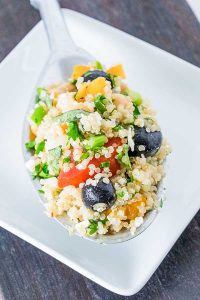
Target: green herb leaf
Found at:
123, 157
37, 99
95, 142
85, 155
100, 103
136, 111
99, 65
43, 95
44, 173
125, 93
120, 194
104, 221
112, 78
161, 202
66, 159
38, 115
41, 191
136, 97
130, 177
54, 156
36, 172
93, 227
74, 132
39, 147
73, 81
105, 164
30, 145
71, 116
117, 128
41, 171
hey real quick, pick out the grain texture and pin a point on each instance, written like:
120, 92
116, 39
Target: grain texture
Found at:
28, 273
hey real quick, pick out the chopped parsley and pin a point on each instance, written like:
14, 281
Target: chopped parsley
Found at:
66, 159
124, 92
38, 115
136, 111
105, 164
100, 104
39, 147
45, 171
130, 177
135, 97
103, 221
85, 155
41, 191
74, 131
41, 171
117, 128
95, 142
112, 78
30, 145
120, 194
123, 157
36, 172
99, 65
93, 227
73, 81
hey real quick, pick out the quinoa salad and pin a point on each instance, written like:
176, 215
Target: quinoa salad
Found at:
97, 151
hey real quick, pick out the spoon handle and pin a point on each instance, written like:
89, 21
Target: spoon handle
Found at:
57, 31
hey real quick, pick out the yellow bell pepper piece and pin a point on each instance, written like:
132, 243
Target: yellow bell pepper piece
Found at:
96, 86
117, 71
78, 71
82, 92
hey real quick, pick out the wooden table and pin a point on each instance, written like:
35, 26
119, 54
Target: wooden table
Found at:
28, 273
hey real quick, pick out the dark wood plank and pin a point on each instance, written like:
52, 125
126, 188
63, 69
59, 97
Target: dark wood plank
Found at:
28, 273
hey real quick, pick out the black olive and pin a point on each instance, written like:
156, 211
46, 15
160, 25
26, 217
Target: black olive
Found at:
150, 140
99, 197
91, 75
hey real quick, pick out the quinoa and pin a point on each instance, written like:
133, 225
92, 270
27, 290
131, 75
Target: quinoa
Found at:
88, 135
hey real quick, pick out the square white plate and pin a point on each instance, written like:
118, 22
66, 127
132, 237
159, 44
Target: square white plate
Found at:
172, 84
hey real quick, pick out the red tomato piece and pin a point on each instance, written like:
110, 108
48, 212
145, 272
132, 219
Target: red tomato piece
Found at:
115, 142
75, 176
72, 177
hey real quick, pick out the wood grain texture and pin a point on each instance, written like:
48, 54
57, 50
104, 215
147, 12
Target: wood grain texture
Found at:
28, 273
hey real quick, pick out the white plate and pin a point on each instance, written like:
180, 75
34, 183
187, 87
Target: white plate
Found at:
172, 84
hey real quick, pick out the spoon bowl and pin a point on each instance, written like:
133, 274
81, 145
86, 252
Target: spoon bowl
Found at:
59, 67
63, 56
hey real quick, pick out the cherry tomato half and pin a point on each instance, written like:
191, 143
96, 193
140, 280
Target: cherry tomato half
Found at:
75, 176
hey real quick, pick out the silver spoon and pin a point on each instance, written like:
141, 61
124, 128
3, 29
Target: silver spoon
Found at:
64, 54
